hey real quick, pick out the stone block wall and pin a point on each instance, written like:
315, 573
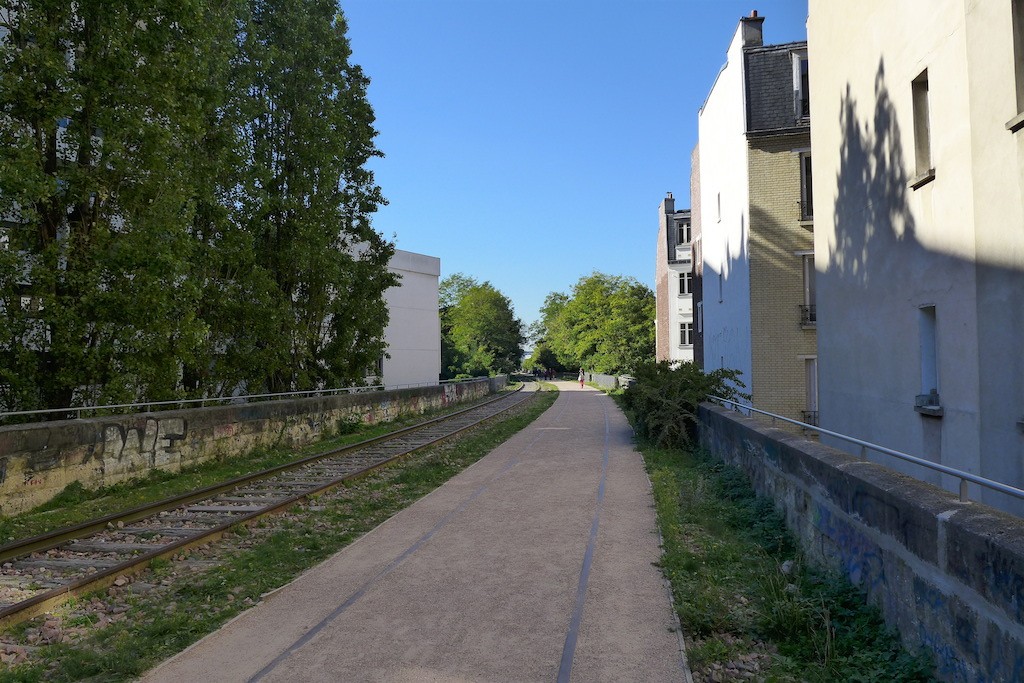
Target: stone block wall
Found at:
948, 575
38, 460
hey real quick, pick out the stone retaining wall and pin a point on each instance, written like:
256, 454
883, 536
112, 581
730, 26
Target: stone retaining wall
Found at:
609, 381
38, 460
948, 575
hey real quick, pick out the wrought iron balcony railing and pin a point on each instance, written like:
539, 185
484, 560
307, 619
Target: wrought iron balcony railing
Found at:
807, 210
808, 315
810, 417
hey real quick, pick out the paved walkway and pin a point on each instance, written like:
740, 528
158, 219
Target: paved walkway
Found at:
535, 564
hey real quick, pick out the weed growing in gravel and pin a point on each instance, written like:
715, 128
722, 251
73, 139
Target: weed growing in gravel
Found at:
748, 606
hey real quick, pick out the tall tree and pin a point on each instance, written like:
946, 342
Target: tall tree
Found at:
606, 324
480, 333
306, 195
99, 109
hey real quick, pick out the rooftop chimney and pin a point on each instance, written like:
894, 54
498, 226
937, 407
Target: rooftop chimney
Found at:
751, 30
669, 203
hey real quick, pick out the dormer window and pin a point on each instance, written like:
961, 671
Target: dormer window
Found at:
801, 86
683, 232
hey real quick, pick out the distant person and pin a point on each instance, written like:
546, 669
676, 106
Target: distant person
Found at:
581, 378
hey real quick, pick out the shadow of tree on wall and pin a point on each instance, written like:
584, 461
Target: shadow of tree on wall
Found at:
871, 214
875, 272
878, 273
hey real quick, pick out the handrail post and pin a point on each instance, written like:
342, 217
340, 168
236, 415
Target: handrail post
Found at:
863, 452
963, 491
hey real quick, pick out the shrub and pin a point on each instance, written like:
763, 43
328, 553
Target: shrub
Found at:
662, 401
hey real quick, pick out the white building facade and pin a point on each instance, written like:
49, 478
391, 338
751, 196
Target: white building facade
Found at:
725, 216
413, 334
920, 171
755, 299
674, 284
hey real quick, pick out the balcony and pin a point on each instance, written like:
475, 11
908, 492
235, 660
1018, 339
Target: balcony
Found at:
806, 210
808, 316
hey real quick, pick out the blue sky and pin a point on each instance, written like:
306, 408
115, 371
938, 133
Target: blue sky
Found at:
529, 142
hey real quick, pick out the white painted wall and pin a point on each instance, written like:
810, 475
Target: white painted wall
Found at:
723, 182
680, 311
884, 249
413, 333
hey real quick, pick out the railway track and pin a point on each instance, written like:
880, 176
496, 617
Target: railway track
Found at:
38, 573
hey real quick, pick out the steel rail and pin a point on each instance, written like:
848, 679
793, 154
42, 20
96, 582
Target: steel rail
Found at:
53, 538
42, 602
865, 446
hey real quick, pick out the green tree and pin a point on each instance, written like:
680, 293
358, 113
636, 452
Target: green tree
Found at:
480, 334
185, 202
100, 113
605, 325
306, 195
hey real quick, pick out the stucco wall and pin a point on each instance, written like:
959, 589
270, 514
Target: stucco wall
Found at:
948, 575
413, 333
38, 460
721, 127
888, 248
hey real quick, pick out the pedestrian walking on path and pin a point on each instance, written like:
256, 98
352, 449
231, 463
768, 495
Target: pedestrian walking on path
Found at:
535, 564
581, 378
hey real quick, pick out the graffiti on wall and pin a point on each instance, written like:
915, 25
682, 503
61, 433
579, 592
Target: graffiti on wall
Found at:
152, 443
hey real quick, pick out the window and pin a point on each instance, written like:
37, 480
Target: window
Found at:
686, 334
929, 367
720, 288
685, 283
801, 86
927, 402
808, 309
806, 195
683, 232
810, 414
1017, 23
719, 207
922, 130
700, 317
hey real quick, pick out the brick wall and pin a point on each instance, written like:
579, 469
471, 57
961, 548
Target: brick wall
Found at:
38, 460
776, 276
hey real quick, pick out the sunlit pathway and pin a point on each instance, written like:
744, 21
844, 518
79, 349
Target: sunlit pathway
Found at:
535, 564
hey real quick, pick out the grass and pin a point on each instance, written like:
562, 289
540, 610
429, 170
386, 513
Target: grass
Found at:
164, 621
76, 503
746, 601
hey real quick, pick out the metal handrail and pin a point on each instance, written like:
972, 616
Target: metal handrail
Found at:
214, 399
867, 445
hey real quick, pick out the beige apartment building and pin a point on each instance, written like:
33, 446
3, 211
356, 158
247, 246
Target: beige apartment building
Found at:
756, 307
919, 167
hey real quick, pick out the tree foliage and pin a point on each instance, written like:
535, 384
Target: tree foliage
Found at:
184, 201
606, 324
663, 399
480, 334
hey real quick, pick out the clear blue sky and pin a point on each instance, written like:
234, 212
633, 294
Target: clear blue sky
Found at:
529, 142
